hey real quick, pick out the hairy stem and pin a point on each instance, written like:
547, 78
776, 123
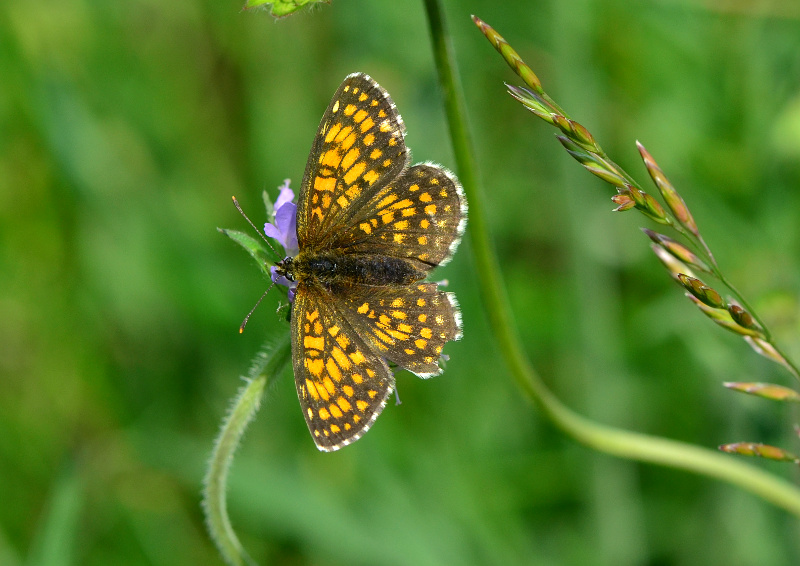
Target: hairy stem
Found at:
267, 365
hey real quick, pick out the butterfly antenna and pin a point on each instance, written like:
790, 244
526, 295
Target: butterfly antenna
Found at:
239, 208
258, 302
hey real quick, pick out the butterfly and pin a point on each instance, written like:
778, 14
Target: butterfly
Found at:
370, 228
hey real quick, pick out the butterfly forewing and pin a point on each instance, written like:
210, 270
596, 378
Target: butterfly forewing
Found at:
341, 383
359, 147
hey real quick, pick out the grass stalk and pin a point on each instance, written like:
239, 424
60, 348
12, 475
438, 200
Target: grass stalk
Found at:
621, 443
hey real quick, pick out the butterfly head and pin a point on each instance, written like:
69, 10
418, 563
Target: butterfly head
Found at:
285, 268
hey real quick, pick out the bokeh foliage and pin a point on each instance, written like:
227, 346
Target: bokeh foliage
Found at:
126, 127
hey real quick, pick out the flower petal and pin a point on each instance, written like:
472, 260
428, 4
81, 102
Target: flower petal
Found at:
278, 278
283, 227
286, 195
272, 231
286, 221
282, 280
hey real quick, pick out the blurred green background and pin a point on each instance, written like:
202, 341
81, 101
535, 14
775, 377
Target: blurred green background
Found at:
125, 127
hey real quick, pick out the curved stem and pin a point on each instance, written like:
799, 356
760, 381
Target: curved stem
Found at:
266, 366
606, 439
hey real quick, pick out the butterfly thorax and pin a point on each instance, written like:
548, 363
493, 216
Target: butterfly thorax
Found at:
330, 268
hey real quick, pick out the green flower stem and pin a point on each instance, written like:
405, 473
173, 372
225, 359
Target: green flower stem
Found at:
606, 439
266, 366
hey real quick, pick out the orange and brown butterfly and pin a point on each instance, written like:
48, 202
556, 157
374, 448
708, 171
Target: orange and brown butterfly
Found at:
369, 229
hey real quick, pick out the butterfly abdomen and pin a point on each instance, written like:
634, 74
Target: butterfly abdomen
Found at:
332, 268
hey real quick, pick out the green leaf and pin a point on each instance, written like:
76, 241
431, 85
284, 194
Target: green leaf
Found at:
254, 247
282, 8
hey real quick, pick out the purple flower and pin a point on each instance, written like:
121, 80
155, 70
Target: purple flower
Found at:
284, 225
284, 229
282, 280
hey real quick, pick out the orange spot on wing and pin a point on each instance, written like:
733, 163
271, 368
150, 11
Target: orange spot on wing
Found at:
312, 389
314, 367
384, 338
331, 158
358, 357
314, 342
341, 358
366, 125
333, 370
342, 133
405, 203
324, 183
333, 132
350, 158
371, 177
354, 172
348, 142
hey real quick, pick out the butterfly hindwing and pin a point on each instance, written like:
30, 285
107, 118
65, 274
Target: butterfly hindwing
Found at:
341, 383
408, 325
